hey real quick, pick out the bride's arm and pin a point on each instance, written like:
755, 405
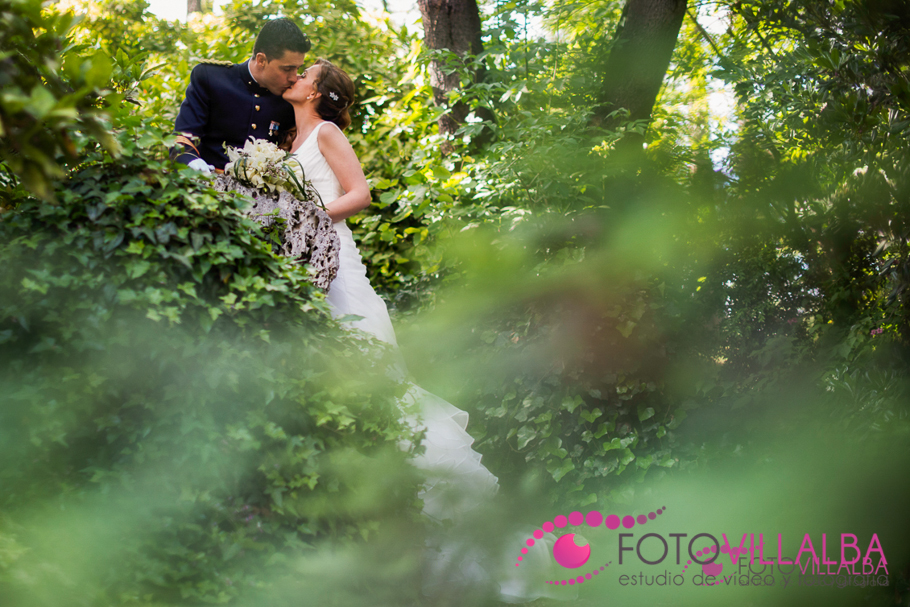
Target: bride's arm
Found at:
344, 163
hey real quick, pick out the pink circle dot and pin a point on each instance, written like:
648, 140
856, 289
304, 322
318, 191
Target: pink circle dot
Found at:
652, 516
538, 534
596, 571
588, 576
698, 553
628, 522
642, 519
563, 582
724, 549
524, 550
548, 527
530, 542
516, 564
581, 579
659, 511
612, 521
560, 521
688, 562
594, 518
602, 568
576, 518
520, 558
572, 581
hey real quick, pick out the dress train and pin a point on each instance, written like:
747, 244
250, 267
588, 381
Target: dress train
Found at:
448, 459
457, 483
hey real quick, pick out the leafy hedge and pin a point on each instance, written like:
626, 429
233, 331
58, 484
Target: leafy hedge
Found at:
164, 374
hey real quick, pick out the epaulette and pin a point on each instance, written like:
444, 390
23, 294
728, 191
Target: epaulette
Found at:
216, 62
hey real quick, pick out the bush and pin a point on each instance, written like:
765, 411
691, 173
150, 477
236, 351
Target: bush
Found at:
179, 395
49, 89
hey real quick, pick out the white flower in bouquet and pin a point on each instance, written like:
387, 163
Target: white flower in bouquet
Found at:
263, 165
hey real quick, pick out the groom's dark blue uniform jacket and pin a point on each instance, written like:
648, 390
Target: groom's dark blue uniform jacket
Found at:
224, 104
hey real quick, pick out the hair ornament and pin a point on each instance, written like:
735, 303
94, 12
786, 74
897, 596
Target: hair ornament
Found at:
333, 95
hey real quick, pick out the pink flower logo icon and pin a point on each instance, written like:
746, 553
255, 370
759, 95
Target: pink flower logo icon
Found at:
570, 555
566, 551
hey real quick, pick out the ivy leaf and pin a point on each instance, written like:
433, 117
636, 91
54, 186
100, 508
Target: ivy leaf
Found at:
558, 469
590, 416
137, 267
231, 551
525, 435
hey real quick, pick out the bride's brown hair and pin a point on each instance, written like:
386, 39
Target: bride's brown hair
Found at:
337, 90
331, 79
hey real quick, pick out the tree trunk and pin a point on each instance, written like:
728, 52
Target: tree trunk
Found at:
193, 6
452, 25
639, 58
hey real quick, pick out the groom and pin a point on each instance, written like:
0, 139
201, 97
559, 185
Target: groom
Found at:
227, 103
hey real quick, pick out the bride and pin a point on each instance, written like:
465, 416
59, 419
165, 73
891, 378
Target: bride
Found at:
457, 482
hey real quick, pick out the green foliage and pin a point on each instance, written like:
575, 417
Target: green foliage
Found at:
162, 368
825, 115
49, 89
158, 358
743, 295
574, 390
583, 413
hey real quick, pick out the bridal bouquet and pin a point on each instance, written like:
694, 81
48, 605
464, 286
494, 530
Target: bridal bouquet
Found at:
264, 166
287, 206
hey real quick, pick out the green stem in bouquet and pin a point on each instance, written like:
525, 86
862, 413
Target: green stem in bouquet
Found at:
297, 183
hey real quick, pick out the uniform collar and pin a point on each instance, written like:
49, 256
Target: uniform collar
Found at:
245, 75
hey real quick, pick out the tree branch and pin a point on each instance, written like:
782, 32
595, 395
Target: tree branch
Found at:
704, 34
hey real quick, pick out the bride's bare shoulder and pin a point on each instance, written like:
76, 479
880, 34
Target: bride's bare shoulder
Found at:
331, 137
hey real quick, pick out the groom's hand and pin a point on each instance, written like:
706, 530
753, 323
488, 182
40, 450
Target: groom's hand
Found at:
202, 166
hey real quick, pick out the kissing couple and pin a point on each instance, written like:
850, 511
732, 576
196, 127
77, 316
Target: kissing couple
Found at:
305, 111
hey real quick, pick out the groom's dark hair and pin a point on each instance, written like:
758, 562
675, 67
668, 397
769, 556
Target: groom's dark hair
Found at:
278, 36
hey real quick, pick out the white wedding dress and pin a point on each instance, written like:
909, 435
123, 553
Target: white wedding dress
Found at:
456, 480
456, 483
